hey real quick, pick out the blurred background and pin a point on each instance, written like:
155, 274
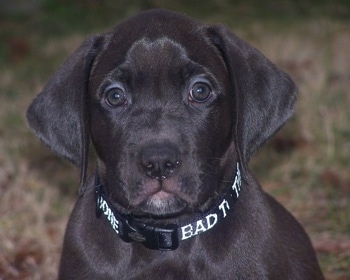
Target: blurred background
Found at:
305, 166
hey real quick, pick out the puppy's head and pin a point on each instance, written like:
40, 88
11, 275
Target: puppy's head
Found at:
170, 106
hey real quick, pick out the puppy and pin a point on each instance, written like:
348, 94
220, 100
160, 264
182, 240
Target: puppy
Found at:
174, 109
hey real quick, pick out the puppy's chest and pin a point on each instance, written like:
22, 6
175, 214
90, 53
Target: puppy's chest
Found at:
168, 265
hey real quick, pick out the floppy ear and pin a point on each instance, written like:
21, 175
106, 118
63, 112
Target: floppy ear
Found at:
58, 114
264, 95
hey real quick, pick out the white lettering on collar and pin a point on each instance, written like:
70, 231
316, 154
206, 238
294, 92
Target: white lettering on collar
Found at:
223, 206
110, 216
201, 226
238, 182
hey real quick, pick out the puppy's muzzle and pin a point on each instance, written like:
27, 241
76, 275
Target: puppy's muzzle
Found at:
159, 160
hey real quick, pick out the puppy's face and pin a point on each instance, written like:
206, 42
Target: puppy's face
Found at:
170, 105
161, 123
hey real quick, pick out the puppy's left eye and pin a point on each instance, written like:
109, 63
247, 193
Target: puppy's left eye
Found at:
200, 92
115, 97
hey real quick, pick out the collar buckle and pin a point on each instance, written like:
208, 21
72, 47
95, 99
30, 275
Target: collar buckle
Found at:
152, 237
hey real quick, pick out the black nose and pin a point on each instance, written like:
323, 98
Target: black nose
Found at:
159, 161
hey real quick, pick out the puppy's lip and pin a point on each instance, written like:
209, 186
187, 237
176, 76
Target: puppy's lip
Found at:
161, 195
161, 205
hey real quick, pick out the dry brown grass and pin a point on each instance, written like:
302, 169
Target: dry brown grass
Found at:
305, 166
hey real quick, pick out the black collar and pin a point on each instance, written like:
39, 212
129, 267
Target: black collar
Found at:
165, 237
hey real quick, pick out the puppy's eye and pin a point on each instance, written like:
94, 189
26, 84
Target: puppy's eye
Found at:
200, 92
115, 97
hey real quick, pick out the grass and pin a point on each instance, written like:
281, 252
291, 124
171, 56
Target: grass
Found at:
305, 166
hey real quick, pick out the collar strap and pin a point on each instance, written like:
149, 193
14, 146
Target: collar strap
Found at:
165, 237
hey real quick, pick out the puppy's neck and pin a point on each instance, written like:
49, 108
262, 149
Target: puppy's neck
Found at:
168, 236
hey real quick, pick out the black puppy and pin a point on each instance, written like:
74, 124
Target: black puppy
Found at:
174, 110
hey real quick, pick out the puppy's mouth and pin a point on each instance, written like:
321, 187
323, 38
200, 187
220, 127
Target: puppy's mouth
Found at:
161, 205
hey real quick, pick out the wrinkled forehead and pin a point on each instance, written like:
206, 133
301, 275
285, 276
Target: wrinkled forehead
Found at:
147, 54
156, 45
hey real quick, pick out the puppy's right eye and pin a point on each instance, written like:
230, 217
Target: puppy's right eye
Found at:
115, 97
200, 92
